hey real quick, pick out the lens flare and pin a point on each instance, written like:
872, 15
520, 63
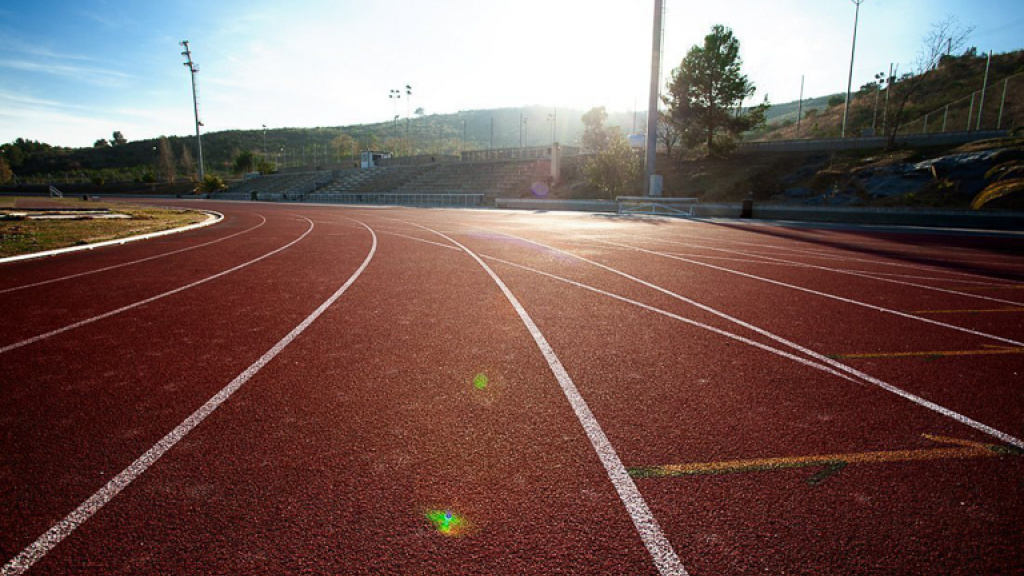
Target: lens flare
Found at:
447, 522
480, 381
540, 189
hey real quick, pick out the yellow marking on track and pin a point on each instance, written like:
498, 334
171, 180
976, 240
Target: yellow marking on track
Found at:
991, 350
986, 311
959, 449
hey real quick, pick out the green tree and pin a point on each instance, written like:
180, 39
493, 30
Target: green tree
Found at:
345, 145
617, 168
6, 174
212, 183
244, 162
118, 138
188, 163
101, 143
596, 135
707, 91
165, 160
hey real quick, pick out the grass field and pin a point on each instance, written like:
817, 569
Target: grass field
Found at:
23, 236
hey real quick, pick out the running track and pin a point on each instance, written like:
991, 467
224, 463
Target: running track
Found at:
326, 390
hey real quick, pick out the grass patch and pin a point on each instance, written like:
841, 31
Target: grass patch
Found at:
24, 236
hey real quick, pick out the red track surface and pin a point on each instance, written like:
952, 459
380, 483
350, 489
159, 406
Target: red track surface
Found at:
328, 458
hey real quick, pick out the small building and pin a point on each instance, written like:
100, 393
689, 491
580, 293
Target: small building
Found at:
372, 158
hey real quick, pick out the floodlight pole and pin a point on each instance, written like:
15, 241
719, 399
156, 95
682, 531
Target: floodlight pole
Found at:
194, 69
652, 101
853, 51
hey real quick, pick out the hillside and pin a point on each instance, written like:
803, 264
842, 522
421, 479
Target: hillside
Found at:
952, 83
423, 134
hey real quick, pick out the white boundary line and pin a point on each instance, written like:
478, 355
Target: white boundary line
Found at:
665, 558
81, 323
817, 356
52, 537
211, 218
115, 266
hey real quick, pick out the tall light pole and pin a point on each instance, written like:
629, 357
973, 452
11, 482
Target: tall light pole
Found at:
879, 80
264, 142
800, 106
395, 96
408, 104
194, 69
652, 100
853, 51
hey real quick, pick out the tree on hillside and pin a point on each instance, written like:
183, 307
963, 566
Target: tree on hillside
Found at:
616, 169
613, 167
669, 134
946, 36
344, 145
596, 136
6, 174
707, 91
101, 143
165, 160
244, 162
118, 138
188, 163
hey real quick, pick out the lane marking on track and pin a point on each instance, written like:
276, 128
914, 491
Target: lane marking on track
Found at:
982, 311
831, 463
938, 354
708, 327
826, 295
52, 537
660, 549
424, 241
80, 274
840, 258
984, 428
105, 315
863, 275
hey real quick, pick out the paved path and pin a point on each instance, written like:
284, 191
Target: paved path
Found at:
331, 390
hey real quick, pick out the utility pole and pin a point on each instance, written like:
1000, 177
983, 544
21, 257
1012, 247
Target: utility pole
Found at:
800, 106
984, 88
652, 100
853, 51
193, 68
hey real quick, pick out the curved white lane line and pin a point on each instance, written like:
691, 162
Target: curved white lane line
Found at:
212, 218
80, 274
664, 556
861, 275
81, 323
52, 537
822, 294
817, 356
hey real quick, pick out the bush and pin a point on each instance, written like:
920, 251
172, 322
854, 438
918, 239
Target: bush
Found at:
212, 183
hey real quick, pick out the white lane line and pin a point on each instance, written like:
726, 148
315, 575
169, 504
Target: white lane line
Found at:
665, 558
81, 323
841, 258
212, 218
52, 537
866, 275
708, 327
826, 295
80, 274
817, 356
422, 240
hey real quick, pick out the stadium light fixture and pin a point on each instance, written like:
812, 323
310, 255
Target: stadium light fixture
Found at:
853, 51
193, 68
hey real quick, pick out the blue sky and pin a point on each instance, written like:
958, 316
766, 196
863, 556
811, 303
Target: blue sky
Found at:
74, 71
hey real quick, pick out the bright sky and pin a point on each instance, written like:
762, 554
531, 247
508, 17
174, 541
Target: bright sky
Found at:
73, 71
